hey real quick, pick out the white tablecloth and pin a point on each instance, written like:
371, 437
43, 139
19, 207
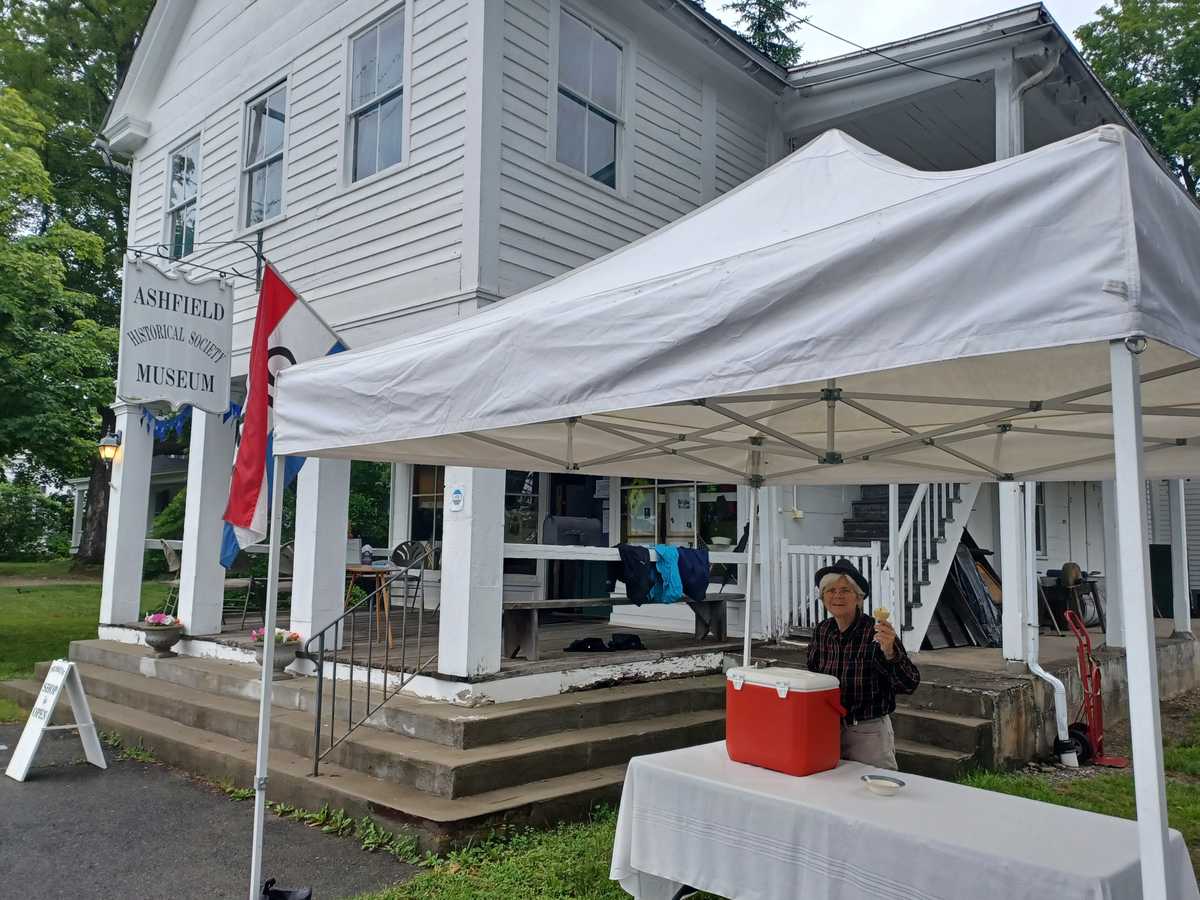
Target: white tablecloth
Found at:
692, 816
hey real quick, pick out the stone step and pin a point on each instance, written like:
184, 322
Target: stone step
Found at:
439, 723
949, 698
436, 822
437, 769
967, 734
933, 762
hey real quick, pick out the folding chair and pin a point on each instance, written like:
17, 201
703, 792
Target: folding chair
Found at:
173, 566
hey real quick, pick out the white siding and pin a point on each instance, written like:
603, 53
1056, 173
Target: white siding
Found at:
1074, 525
1192, 504
363, 254
550, 219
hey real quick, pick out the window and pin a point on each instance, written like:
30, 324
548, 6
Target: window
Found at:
377, 97
266, 121
589, 95
520, 518
679, 512
181, 199
520, 511
1039, 520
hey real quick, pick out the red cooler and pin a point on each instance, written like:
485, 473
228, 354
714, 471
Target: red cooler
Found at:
788, 720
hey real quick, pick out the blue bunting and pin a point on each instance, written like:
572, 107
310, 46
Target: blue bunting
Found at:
163, 428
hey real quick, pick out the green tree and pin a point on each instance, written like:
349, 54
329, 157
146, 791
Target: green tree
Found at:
66, 57
1147, 52
56, 360
769, 26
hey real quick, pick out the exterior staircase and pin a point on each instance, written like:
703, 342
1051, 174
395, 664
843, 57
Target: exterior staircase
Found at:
446, 773
933, 517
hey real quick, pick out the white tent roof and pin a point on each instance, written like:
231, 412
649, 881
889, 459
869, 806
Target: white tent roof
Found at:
957, 323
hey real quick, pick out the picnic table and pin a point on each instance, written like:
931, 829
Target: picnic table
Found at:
695, 817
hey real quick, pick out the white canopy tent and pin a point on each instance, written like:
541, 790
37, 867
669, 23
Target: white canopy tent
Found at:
841, 318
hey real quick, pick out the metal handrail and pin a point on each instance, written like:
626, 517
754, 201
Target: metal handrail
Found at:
335, 631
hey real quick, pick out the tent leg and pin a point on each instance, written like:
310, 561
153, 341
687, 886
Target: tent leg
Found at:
749, 574
264, 703
1140, 659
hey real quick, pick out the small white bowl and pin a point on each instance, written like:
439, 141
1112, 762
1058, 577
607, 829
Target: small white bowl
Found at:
883, 785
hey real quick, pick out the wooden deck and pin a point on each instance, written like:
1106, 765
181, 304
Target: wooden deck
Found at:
554, 637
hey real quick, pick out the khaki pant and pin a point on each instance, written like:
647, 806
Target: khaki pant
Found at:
872, 742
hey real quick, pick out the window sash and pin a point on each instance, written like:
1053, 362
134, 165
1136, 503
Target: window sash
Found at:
375, 107
252, 166
191, 152
177, 226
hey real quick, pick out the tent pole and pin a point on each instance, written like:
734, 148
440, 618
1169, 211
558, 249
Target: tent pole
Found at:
264, 703
749, 574
1140, 659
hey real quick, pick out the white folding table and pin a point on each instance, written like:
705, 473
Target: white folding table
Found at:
694, 817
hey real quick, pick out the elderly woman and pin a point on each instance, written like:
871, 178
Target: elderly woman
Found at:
865, 655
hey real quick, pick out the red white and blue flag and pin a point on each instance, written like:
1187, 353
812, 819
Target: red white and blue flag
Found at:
286, 332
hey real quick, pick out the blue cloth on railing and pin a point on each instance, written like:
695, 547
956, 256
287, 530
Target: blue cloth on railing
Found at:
693, 572
667, 587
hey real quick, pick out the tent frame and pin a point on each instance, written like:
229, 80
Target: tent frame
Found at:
1129, 446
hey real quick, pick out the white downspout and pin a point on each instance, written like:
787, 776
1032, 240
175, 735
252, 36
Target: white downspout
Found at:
1063, 748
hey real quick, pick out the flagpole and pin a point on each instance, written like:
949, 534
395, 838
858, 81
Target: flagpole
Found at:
264, 703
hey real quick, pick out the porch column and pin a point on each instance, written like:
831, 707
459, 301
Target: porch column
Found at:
1010, 119
1181, 588
319, 552
770, 597
894, 602
201, 576
1013, 579
128, 518
472, 572
1141, 661
1114, 612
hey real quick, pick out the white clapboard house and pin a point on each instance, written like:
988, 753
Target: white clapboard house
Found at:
409, 164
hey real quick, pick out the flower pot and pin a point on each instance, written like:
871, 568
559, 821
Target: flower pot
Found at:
285, 655
161, 638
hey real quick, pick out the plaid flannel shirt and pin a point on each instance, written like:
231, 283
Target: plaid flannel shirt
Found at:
869, 680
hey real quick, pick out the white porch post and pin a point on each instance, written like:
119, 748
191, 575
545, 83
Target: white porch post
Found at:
400, 499
1114, 611
319, 553
895, 604
1013, 568
472, 572
1179, 559
201, 577
128, 517
1010, 120
1140, 658
769, 595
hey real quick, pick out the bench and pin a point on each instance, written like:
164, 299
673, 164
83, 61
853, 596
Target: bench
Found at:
519, 621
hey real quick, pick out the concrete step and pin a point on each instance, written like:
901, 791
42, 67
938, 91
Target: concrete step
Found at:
949, 698
439, 723
436, 822
437, 769
967, 734
933, 762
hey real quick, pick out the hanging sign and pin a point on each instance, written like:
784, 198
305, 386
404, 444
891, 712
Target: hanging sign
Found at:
176, 337
62, 674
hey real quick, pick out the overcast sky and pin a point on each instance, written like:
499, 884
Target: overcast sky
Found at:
873, 22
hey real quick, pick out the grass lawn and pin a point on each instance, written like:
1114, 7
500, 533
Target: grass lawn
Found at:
38, 623
51, 568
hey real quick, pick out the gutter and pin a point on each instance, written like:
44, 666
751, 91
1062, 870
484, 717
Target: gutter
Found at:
1063, 748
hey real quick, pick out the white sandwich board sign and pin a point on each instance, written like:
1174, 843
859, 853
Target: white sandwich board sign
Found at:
176, 337
62, 674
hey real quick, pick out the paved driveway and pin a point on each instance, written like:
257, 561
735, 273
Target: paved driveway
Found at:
141, 830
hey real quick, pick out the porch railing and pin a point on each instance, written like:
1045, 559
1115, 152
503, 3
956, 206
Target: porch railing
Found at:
799, 564
344, 651
921, 531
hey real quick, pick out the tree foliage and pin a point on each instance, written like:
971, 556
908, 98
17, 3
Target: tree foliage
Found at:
56, 359
769, 26
1147, 52
33, 525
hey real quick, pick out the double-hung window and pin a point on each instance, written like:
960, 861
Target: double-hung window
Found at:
377, 96
181, 199
262, 167
589, 100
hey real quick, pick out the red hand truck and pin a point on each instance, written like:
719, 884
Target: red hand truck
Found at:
1088, 735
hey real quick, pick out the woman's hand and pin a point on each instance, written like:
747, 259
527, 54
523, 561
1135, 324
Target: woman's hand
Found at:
885, 635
